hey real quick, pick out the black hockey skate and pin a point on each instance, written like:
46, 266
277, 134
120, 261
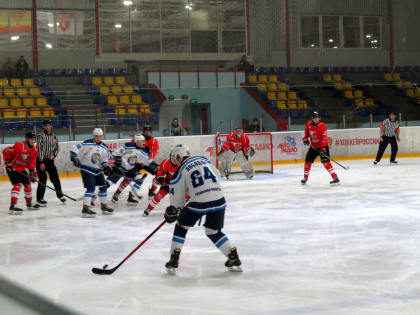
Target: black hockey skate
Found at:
41, 203
146, 213
152, 193
233, 263
107, 210
375, 162
131, 201
87, 213
13, 210
62, 199
172, 264
115, 198
335, 181
393, 162
30, 206
303, 181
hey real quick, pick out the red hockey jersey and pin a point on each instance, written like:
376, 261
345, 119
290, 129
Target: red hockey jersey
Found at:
152, 145
317, 134
21, 156
166, 170
236, 144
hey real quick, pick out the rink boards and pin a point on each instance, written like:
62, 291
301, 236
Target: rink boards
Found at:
287, 146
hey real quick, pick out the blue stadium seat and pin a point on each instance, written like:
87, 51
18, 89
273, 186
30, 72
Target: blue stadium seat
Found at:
124, 71
45, 72
100, 100
53, 101
100, 72
34, 73
46, 91
86, 81
39, 81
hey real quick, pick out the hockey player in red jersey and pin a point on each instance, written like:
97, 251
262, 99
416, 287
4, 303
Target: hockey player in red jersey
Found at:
164, 174
20, 165
316, 137
236, 146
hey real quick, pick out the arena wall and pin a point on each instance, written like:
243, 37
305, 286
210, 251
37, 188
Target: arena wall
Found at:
287, 147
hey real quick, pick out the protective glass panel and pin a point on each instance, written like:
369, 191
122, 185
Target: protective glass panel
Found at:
233, 41
310, 31
174, 17
20, 27
175, 41
330, 31
46, 29
146, 17
204, 18
146, 41
371, 26
86, 30
204, 42
233, 18
66, 30
351, 31
115, 36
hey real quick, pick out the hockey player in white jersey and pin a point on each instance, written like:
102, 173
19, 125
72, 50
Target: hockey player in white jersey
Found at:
128, 161
198, 178
92, 156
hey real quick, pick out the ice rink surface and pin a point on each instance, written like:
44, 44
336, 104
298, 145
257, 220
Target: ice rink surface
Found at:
314, 249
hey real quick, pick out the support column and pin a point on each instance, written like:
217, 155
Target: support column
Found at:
34, 36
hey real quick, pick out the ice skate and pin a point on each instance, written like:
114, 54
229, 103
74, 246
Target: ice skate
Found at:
393, 162
233, 263
106, 210
30, 206
131, 201
115, 198
87, 212
375, 162
41, 203
303, 181
172, 264
62, 199
335, 182
13, 210
146, 213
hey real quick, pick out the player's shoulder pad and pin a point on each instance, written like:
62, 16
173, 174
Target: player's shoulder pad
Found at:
89, 141
129, 145
103, 145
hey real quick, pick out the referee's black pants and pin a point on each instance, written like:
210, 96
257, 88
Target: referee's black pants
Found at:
383, 145
42, 176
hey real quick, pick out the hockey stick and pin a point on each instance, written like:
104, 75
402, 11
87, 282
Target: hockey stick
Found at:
105, 271
37, 181
328, 157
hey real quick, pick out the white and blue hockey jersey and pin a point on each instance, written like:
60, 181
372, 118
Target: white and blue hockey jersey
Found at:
93, 157
131, 155
198, 178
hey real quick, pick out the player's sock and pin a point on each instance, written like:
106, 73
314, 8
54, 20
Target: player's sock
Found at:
88, 197
307, 169
122, 186
220, 240
102, 195
330, 169
28, 192
155, 201
178, 238
15, 193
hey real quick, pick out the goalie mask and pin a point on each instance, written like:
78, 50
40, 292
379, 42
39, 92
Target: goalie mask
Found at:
239, 131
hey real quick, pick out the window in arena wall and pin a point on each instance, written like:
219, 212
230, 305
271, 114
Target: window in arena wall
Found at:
331, 32
204, 41
309, 29
145, 28
351, 32
372, 32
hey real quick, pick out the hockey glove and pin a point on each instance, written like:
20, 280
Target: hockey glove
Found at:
33, 176
107, 170
306, 142
171, 214
9, 166
76, 161
152, 168
161, 180
138, 179
118, 161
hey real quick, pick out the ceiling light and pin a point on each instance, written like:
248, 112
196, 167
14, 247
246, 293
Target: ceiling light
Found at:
189, 7
50, 25
48, 45
335, 46
128, 2
14, 37
331, 40
118, 25
368, 36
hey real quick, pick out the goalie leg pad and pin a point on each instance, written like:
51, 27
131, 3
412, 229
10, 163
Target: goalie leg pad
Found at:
243, 162
226, 160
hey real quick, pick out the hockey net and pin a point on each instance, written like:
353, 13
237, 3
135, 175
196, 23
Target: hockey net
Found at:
262, 160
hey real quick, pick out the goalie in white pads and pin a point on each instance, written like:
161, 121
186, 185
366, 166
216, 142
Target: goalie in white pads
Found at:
236, 147
128, 161
198, 178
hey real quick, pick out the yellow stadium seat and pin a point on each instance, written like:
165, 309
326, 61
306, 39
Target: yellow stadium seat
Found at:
410, 93
338, 86
125, 99
359, 103
327, 78
120, 110
252, 78
128, 89
302, 104
97, 81
35, 92
417, 92
292, 96
109, 81
9, 93
337, 78
28, 82
272, 78
418, 101
4, 83
132, 109
348, 94
358, 94
49, 112
120, 81
136, 99
396, 77
262, 87
262, 78
15, 102
283, 87
104, 90
35, 113
22, 92
399, 84
21, 113
16, 83
346, 86
113, 100
282, 96
272, 87
41, 101
407, 85
116, 89
271, 96
281, 105
145, 109
369, 102
28, 102
9, 114
292, 104
388, 77
4, 103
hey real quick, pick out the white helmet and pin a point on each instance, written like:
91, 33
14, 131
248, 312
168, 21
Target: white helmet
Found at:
139, 137
179, 151
98, 132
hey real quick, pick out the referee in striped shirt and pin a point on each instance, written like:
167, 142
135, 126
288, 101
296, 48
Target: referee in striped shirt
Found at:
48, 149
390, 133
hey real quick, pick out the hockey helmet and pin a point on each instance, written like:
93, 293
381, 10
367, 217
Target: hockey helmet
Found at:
180, 151
147, 127
29, 135
47, 122
315, 114
97, 132
139, 137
